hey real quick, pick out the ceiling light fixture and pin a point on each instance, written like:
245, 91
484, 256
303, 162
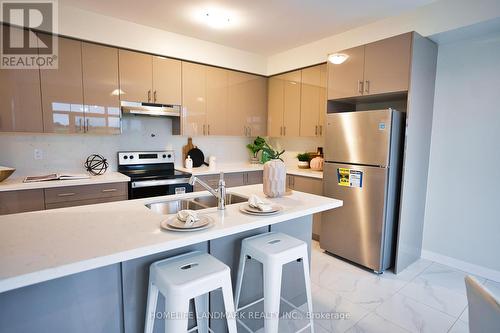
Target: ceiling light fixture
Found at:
217, 19
337, 58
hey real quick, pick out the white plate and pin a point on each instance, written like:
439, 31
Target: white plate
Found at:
248, 208
175, 223
165, 226
276, 209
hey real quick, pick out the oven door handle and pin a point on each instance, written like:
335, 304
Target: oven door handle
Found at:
149, 183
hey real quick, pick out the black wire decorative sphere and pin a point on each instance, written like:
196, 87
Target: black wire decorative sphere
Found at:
96, 164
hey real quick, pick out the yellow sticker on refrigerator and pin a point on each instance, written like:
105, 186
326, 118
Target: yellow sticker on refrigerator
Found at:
350, 177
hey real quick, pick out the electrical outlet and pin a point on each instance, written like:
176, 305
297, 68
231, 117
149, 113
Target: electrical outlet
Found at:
38, 154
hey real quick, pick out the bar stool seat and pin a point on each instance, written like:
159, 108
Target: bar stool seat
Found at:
182, 278
273, 250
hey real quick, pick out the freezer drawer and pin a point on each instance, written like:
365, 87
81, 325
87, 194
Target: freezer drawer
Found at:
361, 137
355, 230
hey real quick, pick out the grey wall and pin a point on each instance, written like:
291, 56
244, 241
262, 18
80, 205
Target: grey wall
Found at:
463, 192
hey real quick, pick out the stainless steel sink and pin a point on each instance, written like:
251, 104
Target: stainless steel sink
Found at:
211, 201
201, 202
172, 207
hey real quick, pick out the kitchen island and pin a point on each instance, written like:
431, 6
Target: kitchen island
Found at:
84, 269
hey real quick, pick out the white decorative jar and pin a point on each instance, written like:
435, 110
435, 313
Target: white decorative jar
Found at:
274, 178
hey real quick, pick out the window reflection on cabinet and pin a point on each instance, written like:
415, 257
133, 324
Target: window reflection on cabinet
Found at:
100, 89
20, 106
62, 91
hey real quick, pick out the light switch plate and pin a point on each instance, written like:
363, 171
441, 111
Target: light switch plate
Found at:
38, 154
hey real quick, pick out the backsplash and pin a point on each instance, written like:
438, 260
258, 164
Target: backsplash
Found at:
293, 146
66, 153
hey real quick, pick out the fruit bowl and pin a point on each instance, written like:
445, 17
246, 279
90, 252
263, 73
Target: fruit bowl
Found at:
5, 172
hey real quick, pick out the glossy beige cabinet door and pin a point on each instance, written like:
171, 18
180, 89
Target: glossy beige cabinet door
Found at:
167, 81
346, 79
216, 117
291, 103
387, 65
136, 76
100, 89
62, 91
275, 106
256, 117
193, 99
323, 78
310, 101
20, 99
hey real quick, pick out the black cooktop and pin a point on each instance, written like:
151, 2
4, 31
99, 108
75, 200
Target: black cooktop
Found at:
152, 171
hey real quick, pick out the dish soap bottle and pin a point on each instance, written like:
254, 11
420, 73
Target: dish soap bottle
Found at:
188, 163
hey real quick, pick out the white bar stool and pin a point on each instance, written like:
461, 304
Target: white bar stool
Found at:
182, 278
273, 250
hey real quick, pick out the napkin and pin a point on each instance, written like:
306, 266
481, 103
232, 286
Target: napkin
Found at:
256, 202
187, 216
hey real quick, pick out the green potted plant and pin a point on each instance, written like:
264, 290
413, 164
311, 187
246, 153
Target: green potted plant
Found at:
304, 159
255, 147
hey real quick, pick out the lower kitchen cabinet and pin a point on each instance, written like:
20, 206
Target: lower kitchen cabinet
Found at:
308, 185
232, 179
70, 196
12, 202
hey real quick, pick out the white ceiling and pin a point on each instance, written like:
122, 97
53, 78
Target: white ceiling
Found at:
261, 26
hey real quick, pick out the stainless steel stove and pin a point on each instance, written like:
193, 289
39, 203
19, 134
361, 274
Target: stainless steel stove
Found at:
152, 173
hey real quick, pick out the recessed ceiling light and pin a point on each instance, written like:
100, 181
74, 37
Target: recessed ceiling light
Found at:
337, 58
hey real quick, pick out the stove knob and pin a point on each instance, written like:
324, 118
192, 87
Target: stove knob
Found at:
125, 157
131, 157
164, 156
169, 155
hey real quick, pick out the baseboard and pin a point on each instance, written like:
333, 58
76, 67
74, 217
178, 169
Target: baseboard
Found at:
485, 272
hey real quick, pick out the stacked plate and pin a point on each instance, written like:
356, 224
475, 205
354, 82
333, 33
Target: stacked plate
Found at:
247, 209
174, 224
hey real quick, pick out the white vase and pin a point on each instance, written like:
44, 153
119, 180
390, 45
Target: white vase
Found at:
274, 180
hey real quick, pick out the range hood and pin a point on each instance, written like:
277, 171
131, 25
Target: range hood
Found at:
150, 109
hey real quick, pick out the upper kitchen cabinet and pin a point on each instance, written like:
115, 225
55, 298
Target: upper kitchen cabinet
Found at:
247, 104
284, 104
136, 76
147, 78
313, 101
387, 65
346, 79
216, 101
275, 106
100, 89
377, 68
20, 99
194, 99
62, 91
167, 81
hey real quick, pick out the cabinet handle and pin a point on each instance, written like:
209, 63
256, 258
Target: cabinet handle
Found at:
109, 190
249, 131
208, 129
316, 130
246, 131
149, 96
360, 86
154, 96
204, 129
87, 122
80, 125
65, 194
367, 86
284, 130
320, 129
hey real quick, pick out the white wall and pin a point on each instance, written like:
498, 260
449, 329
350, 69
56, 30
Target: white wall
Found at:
427, 20
68, 152
90, 26
462, 220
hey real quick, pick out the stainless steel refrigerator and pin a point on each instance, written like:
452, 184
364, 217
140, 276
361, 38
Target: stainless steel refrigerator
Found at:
363, 156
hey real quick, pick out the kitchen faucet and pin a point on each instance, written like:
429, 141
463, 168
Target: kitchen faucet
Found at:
219, 193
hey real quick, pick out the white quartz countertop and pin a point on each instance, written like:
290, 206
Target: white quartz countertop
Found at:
246, 167
15, 184
43, 245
